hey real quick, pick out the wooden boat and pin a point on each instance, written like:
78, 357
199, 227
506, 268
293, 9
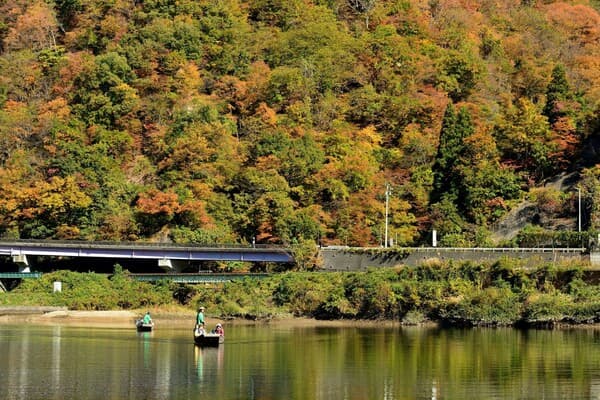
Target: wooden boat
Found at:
208, 339
142, 327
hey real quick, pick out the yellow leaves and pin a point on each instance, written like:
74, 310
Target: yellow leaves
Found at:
415, 147
60, 195
191, 154
267, 114
268, 163
49, 114
189, 80
57, 108
67, 232
17, 119
24, 197
368, 136
246, 95
125, 92
124, 97
113, 26
200, 189
481, 146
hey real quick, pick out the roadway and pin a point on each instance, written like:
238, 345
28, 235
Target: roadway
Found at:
165, 253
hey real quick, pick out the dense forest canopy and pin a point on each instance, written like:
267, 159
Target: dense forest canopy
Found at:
282, 121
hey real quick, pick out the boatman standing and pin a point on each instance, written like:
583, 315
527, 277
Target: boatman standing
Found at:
200, 318
147, 318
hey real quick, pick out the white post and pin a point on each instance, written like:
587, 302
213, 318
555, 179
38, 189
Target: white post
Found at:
434, 238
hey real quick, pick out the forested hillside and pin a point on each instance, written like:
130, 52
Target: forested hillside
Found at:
220, 121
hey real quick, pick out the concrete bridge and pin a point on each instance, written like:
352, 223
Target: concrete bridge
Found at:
167, 255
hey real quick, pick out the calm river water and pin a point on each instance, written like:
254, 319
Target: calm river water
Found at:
271, 362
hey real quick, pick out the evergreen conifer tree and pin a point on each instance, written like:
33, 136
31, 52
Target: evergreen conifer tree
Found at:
455, 128
558, 90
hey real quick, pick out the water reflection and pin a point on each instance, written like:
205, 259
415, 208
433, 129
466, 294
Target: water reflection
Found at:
209, 360
144, 338
261, 362
199, 362
56, 341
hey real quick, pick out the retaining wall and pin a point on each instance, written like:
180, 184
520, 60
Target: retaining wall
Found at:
360, 259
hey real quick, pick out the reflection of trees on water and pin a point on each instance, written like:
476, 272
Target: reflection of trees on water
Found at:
394, 363
56, 362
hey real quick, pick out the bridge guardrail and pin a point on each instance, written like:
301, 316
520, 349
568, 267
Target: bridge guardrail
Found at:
75, 243
461, 249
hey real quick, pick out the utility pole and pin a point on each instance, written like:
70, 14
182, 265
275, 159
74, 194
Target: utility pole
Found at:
387, 208
579, 208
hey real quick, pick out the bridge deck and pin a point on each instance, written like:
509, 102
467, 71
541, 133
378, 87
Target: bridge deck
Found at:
146, 251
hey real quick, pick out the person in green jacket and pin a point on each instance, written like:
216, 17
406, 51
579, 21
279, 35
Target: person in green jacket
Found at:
147, 318
200, 319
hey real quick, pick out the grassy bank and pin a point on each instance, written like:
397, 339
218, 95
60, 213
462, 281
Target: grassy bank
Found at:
455, 294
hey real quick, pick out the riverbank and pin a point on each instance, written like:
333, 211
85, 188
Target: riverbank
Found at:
501, 294
37, 315
162, 318
120, 319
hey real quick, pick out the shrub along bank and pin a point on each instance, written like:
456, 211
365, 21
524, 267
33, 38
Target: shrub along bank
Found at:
455, 293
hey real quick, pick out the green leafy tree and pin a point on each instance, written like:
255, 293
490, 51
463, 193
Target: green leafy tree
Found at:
524, 138
102, 94
459, 73
320, 50
261, 199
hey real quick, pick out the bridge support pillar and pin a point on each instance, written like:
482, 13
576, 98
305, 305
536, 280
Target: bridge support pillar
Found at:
172, 265
165, 263
22, 262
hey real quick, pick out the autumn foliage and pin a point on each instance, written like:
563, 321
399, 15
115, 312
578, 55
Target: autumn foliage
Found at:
283, 121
